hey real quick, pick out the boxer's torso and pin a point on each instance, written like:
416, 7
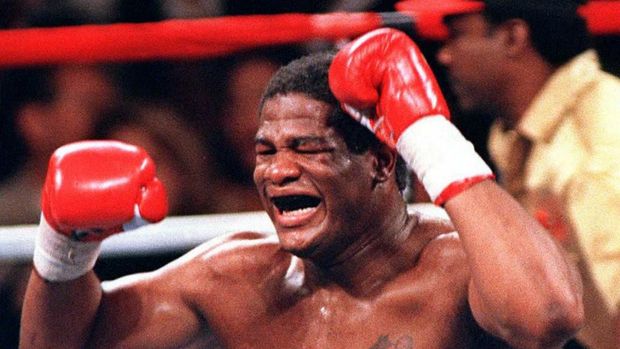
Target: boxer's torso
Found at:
269, 303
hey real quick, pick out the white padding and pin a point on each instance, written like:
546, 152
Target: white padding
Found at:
439, 154
58, 258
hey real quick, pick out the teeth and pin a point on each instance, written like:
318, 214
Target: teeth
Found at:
298, 212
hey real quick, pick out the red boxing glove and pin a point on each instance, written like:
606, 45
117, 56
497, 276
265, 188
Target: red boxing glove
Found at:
96, 187
385, 70
93, 189
384, 82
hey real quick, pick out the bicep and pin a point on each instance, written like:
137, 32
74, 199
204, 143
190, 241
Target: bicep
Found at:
145, 310
482, 315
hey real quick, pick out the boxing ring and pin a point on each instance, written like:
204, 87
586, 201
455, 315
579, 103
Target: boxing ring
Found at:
173, 234
201, 38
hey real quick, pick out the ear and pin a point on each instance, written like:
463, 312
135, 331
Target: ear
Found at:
516, 38
384, 163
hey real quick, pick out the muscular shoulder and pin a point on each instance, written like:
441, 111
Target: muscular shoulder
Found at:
235, 275
443, 253
244, 255
216, 281
431, 221
233, 258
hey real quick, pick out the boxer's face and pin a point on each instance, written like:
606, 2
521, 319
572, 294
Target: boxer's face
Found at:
472, 58
312, 187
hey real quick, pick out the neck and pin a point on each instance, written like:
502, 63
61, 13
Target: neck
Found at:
378, 258
525, 82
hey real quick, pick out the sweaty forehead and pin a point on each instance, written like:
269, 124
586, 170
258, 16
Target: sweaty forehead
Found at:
293, 111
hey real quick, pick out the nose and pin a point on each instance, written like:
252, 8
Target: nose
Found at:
282, 169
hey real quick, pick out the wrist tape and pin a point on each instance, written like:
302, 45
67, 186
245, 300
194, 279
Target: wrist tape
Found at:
59, 258
443, 160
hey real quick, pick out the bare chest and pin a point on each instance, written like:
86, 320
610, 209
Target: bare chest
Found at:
401, 321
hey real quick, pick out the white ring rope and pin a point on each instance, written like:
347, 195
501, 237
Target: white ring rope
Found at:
173, 234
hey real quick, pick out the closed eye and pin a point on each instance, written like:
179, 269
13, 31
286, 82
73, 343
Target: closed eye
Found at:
303, 150
312, 146
263, 148
269, 151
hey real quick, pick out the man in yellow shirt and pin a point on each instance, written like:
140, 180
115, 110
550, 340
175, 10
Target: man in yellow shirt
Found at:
555, 139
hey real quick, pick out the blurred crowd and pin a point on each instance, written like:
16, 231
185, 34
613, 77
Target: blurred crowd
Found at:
196, 118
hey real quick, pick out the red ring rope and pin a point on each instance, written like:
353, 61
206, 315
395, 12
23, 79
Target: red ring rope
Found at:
199, 38
174, 38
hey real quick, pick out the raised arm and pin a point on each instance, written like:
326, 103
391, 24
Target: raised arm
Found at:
93, 189
522, 289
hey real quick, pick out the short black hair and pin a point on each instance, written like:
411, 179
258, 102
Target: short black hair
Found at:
309, 75
557, 30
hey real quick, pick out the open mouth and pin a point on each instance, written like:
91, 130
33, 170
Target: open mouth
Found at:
295, 204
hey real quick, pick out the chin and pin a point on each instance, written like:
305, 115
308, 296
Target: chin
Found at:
293, 242
299, 243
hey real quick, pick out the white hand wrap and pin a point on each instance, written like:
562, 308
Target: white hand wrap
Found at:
440, 156
58, 258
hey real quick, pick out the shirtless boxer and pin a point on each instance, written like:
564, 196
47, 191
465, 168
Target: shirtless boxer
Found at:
349, 267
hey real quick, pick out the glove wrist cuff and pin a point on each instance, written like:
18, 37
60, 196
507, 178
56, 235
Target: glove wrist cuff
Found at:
443, 160
59, 258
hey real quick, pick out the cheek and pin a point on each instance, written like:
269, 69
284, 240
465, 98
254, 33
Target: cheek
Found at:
467, 69
330, 168
346, 174
467, 54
